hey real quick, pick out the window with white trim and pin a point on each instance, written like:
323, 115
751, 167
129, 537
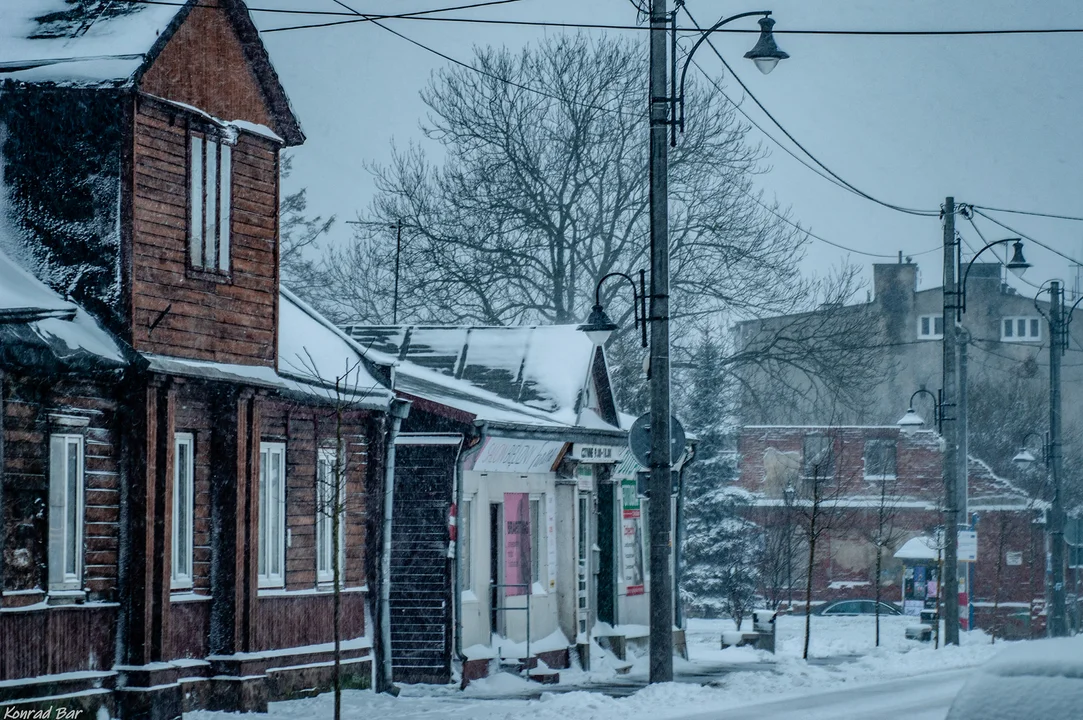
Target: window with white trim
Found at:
537, 537
210, 181
466, 523
183, 505
66, 509
329, 478
930, 327
880, 460
1021, 329
272, 514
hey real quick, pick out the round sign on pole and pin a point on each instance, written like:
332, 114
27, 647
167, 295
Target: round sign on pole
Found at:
639, 440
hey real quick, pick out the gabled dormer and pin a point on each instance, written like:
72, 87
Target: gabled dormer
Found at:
141, 152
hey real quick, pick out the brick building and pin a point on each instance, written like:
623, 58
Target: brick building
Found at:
170, 427
860, 474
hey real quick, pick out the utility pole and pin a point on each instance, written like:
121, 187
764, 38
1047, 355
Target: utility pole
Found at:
1058, 337
950, 428
962, 473
398, 263
661, 602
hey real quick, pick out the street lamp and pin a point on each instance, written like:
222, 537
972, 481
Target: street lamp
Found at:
599, 327
911, 421
664, 102
1025, 458
1017, 265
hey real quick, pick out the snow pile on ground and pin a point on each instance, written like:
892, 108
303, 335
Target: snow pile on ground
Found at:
842, 649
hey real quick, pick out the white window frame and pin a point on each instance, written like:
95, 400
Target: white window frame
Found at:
210, 184
932, 320
66, 551
272, 516
466, 545
183, 510
886, 442
1030, 322
326, 464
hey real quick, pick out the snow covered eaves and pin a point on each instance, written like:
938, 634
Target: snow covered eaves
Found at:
921, 547
24, 298
232, 127
373, 398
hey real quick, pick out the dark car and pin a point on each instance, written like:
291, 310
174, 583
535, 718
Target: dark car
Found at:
855, 607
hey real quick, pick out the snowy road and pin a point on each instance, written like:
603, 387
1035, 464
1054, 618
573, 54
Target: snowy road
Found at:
925, 697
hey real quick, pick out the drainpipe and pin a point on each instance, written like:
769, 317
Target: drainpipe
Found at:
678, 612
465, 453
400, 409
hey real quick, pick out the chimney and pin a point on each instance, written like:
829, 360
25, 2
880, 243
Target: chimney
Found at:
894, 284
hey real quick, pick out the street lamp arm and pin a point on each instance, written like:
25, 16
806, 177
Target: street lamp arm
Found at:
704, 36
1018, 249
936, 404
639, 299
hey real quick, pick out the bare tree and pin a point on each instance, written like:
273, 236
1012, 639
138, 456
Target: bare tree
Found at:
537, 195
342, 393
885, 535
299, 250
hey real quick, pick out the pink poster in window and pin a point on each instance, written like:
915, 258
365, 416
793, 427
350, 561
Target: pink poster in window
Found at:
517, 543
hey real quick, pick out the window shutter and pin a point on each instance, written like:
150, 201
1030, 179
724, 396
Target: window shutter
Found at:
57, 517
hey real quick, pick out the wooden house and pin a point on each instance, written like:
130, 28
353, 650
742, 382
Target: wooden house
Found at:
170, 434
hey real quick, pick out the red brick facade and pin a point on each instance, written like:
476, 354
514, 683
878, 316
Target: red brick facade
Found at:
1009, 572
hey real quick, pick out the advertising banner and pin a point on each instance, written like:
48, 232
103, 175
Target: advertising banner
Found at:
517, 543
631, 538
515, 455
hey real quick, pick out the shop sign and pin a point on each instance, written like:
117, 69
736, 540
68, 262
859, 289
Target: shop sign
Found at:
968, 546
516, 455
517, 543
596, 453
584, 477
631, 538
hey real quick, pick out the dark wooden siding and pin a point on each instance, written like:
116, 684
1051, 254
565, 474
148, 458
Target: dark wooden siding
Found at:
420, 569
27, 406
204, 65
232, 318
57, 640
295, 620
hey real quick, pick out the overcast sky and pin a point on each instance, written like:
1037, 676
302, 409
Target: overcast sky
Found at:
991, 120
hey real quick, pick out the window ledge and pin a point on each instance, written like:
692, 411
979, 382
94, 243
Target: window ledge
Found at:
209, 275
65, 597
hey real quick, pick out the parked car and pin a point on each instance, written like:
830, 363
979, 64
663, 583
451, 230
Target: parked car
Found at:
855, 607
1035, 679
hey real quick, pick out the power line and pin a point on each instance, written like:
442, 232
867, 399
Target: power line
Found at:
373, 18
375, 21
908, 211
1023, 235
1030, 212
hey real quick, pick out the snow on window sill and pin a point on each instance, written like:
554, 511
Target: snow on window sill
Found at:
468, 596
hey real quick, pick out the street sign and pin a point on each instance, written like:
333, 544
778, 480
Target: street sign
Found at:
968, 546
639, 440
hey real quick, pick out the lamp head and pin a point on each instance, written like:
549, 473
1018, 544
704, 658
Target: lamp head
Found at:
766, 53
911, 421
1018, 264
1024, 458
598, 326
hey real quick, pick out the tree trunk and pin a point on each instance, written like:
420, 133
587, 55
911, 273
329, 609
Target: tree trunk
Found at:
879, 565
808, 590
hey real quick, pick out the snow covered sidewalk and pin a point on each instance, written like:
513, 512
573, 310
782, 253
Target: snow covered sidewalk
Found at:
842, 656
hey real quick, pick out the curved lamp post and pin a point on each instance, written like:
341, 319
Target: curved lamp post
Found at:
1017, 265
599, 327
911, 421
1025, 458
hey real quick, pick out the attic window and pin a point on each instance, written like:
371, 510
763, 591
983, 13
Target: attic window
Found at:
209, 184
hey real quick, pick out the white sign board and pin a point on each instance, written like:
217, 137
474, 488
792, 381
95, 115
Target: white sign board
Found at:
551, 540
1015, 557
968, 546
516, 455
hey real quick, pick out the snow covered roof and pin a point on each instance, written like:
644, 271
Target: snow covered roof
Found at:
313, 352
95, 44
921, 547
532, 375
23, 297
78, 43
